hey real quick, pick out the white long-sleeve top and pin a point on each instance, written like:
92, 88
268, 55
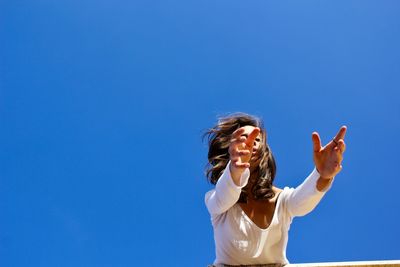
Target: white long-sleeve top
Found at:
238, 240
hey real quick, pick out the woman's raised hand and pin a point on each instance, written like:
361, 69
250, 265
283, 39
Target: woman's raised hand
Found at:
328, 159
241, 149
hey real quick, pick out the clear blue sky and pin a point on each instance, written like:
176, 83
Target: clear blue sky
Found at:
103, 104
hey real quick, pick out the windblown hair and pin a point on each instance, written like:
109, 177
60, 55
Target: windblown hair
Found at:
219, 138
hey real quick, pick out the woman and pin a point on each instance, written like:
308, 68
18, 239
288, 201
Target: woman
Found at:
250, 216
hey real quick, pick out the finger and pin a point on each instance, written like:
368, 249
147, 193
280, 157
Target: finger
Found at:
316, 141
339, 155
235, 151
235, 143
252, 136
238, 140
238, 132
341, 146
242, 152
240, 165
340, 134
338, 168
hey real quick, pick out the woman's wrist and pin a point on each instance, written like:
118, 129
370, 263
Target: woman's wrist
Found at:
323, 183
236, 173
323, 176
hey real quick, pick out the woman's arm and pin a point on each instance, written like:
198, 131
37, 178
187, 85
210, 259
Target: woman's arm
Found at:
304, 198
236, 174
226, 192
327, 159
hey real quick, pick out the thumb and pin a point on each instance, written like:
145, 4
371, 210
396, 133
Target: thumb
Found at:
316, 141
252, 136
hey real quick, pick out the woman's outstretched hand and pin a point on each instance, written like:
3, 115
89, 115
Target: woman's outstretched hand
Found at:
241, 150
328, 159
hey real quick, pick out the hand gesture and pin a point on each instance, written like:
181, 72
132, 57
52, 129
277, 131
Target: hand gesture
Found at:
241, 148
328, 159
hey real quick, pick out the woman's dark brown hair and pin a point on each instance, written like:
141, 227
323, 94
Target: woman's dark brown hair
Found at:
219, 138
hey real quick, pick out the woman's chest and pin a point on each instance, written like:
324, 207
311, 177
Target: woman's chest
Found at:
239, 234
260, 214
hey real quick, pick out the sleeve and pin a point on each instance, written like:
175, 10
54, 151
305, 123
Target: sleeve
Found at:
226, 193
304, 198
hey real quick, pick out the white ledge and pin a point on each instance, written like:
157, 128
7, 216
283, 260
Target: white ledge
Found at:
385, 263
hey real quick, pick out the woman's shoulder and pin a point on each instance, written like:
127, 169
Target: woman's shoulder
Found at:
277, 191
